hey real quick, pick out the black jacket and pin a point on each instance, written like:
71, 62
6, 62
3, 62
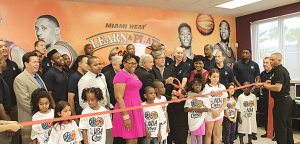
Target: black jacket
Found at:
146, 78
109, 76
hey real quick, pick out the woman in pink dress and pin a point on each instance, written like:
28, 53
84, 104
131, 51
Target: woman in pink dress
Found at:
129, 125
198, 61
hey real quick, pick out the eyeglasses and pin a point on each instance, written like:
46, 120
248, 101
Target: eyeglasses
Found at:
132, 64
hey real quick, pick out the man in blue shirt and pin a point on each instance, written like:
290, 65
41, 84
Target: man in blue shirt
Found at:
246, 70
226, 73
56, 79
73, 100
209, 57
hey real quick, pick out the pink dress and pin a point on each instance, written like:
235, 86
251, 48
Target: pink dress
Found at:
131, 99
193, 73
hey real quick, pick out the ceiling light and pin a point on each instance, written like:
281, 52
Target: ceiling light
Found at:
236, 3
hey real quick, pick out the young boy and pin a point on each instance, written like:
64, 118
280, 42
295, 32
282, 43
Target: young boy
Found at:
247, 114
154, 117
160, 89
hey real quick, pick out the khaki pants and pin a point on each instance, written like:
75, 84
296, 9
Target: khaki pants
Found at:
14, 117
26, 136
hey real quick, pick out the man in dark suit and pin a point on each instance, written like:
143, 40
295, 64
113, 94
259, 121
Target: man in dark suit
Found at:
109, 67
109, 75
146, 64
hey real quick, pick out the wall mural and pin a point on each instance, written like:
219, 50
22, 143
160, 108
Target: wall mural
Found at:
69, 26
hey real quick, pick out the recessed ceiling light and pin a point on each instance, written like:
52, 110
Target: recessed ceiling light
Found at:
236, 3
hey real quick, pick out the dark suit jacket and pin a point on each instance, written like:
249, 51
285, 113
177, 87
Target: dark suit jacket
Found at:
146, 78
169, 71
109, 76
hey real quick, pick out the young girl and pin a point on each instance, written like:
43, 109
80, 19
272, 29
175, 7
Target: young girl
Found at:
218, 102
66, 131
197, 109
94, 127
41, 108
230, 116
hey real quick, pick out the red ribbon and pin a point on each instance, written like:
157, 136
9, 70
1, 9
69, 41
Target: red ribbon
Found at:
125, 109
270, 117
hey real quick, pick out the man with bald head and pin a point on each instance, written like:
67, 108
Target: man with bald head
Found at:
280, 92
177, 116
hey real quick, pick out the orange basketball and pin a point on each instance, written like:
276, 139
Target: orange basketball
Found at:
205, 24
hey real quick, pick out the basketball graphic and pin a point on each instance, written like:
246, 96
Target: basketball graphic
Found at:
68, 137
93, 122
205, 24
152, 115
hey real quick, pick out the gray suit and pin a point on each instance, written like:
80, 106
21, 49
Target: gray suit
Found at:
24, 85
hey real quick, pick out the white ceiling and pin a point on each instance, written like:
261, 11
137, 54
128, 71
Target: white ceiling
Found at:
196, 6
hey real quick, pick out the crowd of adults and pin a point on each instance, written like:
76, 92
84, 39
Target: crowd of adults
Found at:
123, 82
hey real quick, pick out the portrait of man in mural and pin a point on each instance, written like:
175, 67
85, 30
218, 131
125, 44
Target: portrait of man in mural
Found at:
185, 38
47, 28
14, 53
223, 45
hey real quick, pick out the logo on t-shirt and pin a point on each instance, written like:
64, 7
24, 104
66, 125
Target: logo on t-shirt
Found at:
231, 105
248, 108
252, 67
96, 128
197, 104
46, 126
226, 72
68, 137
216, 100
151, 120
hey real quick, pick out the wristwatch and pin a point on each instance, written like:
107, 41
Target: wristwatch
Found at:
262, 85
125, 117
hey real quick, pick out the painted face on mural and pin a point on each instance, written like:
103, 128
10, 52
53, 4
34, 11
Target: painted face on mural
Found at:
224, 31
185, 37
46, 30
3, 48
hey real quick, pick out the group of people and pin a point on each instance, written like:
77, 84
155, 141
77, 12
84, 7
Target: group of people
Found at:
48, 88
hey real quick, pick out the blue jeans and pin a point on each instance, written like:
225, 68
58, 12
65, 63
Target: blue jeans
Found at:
153, 140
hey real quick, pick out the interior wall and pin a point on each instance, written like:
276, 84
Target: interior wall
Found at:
243, 31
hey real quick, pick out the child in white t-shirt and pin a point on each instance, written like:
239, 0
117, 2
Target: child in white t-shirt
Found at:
66, 131
230, 116
160, 89
41, 108
218, 101
154, 117
197, 109
94, 127
247, 114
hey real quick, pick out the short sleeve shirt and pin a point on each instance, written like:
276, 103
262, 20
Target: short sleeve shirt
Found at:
264, 76
232, 106
195, 119
182, 70
73, 84
163, 130
96, 126
57, 82
208, 63
153, 115
246, 72
226, 74
216, 100
282, 76
42, 131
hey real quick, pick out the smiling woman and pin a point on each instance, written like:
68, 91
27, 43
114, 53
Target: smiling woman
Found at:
128, 124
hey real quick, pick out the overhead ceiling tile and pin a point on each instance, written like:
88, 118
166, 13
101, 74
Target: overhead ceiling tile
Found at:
147, 3
211, 10
194, 8
171, 5
230, 13
212, 2
120, 2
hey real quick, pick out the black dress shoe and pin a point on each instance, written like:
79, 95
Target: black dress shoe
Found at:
274, 139
264, 136
235, 137
254, 137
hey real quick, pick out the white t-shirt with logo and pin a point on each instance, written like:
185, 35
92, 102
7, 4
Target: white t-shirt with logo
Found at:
216, 101
153, 115
164, 124
65, 134
232, 106
42, 131
96, 126
248, 107
196, 119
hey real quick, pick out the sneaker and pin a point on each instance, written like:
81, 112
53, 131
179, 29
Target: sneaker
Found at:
254, 137
235, 137
264, 136
274, 139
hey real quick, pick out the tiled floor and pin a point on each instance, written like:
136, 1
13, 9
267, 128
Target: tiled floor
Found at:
261, 131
